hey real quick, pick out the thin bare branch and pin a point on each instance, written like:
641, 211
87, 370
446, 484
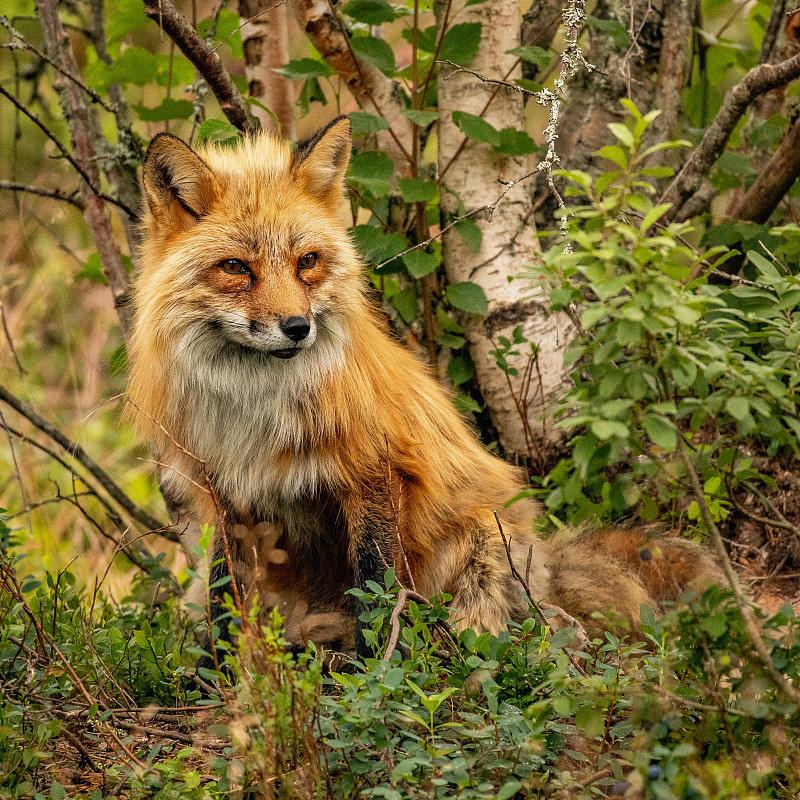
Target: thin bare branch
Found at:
80, 455
72, 198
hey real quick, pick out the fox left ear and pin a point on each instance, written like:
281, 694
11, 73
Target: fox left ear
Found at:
321, 161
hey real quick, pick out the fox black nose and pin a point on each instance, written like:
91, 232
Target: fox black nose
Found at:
295, 328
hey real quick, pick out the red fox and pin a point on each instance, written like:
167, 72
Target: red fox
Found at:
259, 365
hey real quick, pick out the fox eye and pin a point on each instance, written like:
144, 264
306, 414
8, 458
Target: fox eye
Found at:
233, 266
307, 261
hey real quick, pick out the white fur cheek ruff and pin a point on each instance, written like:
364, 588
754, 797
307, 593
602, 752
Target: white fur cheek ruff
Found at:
238, 408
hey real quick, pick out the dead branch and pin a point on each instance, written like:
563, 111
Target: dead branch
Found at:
402, 596
80, 455
65, 153
759, 80
774, 26
205, 60
774, 180
56, 194
751, 625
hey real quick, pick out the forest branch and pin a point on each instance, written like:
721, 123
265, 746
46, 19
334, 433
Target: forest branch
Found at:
759, 80
774, 180
205, 60
56, 194
80, 455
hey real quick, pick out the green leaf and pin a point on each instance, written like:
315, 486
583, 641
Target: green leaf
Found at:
532, 54
406, 304
509, 789
426, 39
376, 51
451, 340
217, 130
613, 28
468, 296
471, 233
460, 43
514, 142
608, 428
653, 215
310, 93
460, 369
118, 361
660, 432
365, 124
371, 12
227, 31
92, 271
419, 263
372, 164
615, 154
421, 118
738, 408
169, 109
623, 133
304, 68
466, 405
476, 128
415, 190
124, 17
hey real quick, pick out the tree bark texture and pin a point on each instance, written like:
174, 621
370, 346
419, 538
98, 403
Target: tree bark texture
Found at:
508, 241
265, 39
652, 72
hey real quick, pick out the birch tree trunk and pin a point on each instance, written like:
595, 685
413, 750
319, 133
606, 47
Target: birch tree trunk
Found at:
508, 236
265, 39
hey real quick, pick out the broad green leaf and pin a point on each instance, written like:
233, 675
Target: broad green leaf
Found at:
371, 12
227, 31
738, 408
304, 68
216, 130
608, 428
92, 271
615, 154
514, 142
622, 132
653, 215
613, 28
660, 432
476, 128
364, 123
451, 340
406, 304
421, 118
419, 263
415, 190
169, 109
426, 39
118, 360
460, 369
468, 296
534, 55
376, 51
124, 17
460, 43
372, 164
471, 233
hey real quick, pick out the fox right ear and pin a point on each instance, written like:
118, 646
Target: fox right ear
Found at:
174, 174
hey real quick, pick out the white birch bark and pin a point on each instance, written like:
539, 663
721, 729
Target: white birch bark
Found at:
265, 40
508, 236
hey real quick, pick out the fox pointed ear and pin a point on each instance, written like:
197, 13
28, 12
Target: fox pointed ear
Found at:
174, 174
320, 162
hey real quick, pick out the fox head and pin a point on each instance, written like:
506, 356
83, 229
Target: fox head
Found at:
245, 248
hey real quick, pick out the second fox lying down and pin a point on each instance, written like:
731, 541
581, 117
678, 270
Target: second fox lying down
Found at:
258, 364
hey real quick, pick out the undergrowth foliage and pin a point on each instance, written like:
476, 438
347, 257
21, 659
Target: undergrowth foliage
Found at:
686, 714
663, 353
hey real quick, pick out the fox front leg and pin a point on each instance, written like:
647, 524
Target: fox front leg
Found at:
371, 536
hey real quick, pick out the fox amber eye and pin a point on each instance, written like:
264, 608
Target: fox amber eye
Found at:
307, 261
233, 266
